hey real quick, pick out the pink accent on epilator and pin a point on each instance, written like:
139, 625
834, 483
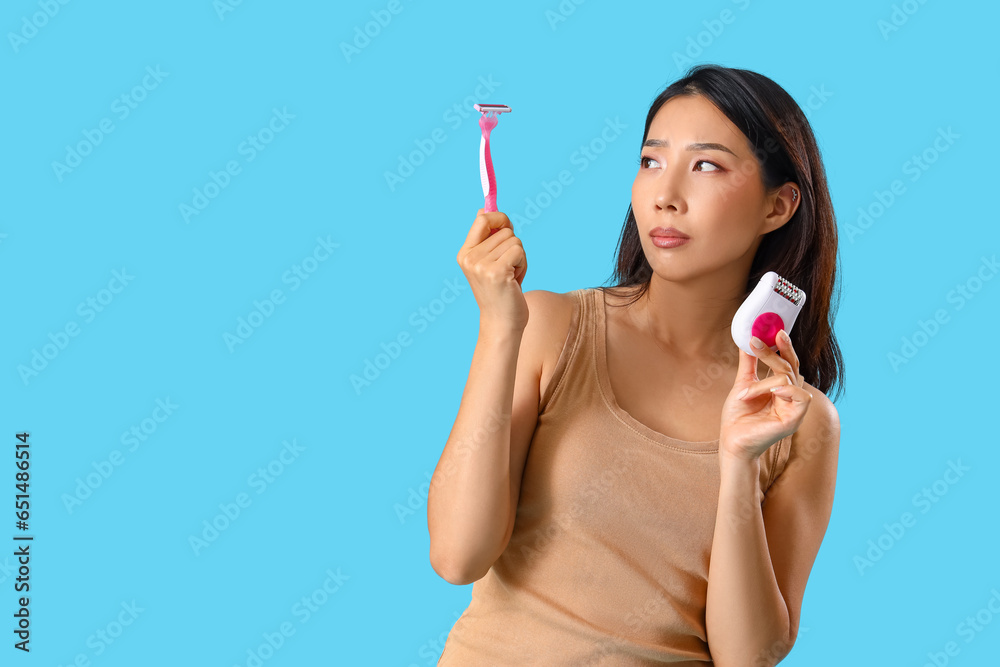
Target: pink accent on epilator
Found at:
766, 327
486, 123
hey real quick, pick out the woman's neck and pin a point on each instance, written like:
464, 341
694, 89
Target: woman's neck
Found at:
689, 320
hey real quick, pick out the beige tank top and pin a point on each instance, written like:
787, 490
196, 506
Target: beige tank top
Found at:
608, 561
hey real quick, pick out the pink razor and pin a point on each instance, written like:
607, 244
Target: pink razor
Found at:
491, 115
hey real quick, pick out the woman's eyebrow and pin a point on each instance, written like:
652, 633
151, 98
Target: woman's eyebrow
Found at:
658, 143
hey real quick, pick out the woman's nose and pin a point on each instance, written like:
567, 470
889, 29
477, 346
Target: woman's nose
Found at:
668, 191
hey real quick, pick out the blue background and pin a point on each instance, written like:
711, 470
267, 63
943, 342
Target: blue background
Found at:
333, 506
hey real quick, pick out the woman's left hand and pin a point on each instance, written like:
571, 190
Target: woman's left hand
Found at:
771, 408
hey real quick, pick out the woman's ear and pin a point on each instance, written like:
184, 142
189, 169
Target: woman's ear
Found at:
783, 205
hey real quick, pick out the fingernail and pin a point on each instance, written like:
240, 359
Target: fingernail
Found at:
756, 342
743, 393
784, 336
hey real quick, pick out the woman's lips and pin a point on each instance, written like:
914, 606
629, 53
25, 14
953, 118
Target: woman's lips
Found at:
668, 241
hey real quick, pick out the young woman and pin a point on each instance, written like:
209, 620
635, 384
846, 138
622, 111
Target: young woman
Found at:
624, 485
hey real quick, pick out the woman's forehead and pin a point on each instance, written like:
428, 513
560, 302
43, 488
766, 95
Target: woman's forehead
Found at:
694, 119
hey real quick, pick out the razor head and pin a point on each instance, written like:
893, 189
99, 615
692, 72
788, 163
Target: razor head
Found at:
493, 109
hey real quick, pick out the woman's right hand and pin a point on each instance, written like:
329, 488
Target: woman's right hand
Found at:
494, 263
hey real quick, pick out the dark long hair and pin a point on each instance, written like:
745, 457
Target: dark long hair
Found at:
804, 249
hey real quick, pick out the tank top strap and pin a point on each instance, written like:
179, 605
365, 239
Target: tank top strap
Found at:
579, 339
576, 378
777, 460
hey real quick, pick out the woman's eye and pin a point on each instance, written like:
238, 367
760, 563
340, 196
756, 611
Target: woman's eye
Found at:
644, 160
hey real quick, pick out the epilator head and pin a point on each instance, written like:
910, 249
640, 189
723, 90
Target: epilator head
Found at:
772, 306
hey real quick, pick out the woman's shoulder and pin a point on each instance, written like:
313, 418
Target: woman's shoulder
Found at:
819, 431
617, 293
557, 308
553, 311
551, 318
550, 315
621, 294
550, 310
823, 412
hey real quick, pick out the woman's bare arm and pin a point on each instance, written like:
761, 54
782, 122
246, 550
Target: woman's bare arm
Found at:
472, 501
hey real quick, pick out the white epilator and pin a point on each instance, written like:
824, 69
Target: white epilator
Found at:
772, 306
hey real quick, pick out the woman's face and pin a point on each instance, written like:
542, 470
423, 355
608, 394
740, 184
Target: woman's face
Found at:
713, 193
